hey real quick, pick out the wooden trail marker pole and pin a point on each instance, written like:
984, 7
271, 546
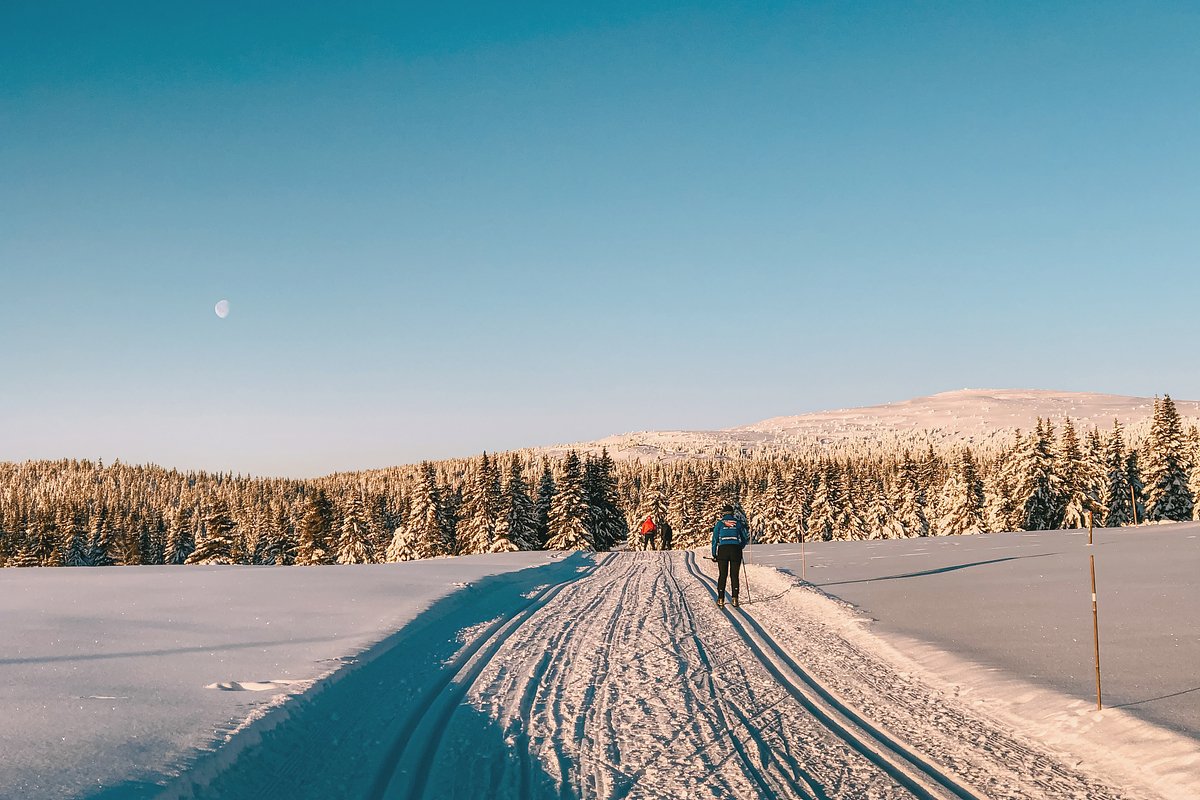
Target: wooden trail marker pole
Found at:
1133, 504
802, 570
1096, 633
1089, 528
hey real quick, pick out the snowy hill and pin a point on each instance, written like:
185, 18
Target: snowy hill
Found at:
980, 417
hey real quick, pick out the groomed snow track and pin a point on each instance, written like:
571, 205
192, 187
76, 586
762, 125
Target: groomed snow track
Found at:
620, 678
914, 773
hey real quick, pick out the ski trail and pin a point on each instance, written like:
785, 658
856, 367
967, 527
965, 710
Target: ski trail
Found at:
622, 679
625, 686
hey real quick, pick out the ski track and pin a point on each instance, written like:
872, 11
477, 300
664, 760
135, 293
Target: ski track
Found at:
626, 681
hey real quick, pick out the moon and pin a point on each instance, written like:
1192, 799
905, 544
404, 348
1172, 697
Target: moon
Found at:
222, 308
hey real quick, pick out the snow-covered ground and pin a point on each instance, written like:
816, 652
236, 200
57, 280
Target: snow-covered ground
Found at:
980, 417
1021, 603
113, 677
611, 675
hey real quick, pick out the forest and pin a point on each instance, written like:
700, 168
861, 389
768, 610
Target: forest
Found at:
77, 513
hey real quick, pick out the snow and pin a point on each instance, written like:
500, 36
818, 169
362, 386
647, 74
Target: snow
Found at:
613, 675
981, 417
117, 676
1005, 619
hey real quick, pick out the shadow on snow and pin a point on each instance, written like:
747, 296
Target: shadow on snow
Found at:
341, 738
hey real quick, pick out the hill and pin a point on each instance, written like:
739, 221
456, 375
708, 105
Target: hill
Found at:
979, 417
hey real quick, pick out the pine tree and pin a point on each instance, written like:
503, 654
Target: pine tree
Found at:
403, 546
1117, 497
541, 507
770, 519
313, 544
217, 544
606, 523
822, 516
356, 540
963, 495
427, 520
1167, 494
910, 504
1039, 489
569, 511
180, 542
1077, 480
520, 517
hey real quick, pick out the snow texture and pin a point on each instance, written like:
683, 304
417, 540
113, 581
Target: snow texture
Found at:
116, 676
615, 675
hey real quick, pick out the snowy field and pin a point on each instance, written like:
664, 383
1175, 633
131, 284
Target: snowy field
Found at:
613, 676
103, 671
1021, 603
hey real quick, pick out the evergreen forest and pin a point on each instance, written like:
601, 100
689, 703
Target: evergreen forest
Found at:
81, 513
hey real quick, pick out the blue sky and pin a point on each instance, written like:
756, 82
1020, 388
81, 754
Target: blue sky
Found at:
450, 227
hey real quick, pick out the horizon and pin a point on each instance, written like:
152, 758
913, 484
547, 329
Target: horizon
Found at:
443, 230
600, 440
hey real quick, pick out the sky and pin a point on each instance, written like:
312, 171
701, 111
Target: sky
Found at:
451, 227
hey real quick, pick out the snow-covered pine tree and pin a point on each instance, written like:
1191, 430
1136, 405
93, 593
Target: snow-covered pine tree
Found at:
1133, 472
822, 515
355, 538
848, 523
569, 511
426, 518
403, 546
519, 517
1039, 490
910, 503
1167, 494
541, 506
1116, 497
313, 545
477, 516
963, 498
217, 545
605, 520
1077, 480
769, 519
99, 549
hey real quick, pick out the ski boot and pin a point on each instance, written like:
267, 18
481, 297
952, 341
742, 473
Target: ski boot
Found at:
721, 601
736, 604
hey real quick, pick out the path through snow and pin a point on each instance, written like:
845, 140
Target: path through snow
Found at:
624, 680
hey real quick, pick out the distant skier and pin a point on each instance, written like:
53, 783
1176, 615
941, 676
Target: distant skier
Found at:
730, 535
665, 533
649, 531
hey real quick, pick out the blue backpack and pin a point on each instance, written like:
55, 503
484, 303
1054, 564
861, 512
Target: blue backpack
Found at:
730, 531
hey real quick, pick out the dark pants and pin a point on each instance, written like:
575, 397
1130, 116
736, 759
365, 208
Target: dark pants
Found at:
666, 537
729, 556
648, 541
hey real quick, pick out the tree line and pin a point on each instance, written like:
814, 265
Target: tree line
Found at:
82, 513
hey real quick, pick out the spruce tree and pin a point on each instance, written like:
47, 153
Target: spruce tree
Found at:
606, 523
427, 520
963, 494
541, 506
569, 511
217, 544
314, 535
1167, 494
355, 544
1117, 498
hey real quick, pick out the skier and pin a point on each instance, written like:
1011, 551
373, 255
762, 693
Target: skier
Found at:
648, 533
666, 533
730, 535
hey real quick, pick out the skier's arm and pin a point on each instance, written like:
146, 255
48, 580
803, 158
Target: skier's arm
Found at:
716, 528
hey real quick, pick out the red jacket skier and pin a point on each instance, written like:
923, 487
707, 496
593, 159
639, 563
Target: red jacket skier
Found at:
649, 531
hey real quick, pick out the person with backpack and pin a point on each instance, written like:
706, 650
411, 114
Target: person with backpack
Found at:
730, 535
666, 534
649, 530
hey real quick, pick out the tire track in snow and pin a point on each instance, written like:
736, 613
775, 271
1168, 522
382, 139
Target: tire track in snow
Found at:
921, 778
